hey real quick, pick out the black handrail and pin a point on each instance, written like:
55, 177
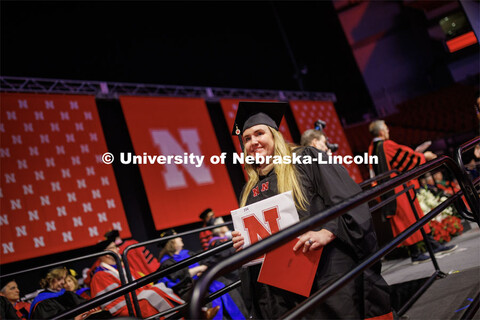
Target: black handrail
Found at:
414, 210
144, 243
464, 147
210, 298
324, 292
89, 256
377, 177
117, 292
385, 175
390, 199
424, 235
280, 238
437, 274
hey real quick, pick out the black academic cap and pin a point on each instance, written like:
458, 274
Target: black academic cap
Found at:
169, 232
166, 233
102, 245
204, 213
6, 280
73, 273
251, 113
112, 235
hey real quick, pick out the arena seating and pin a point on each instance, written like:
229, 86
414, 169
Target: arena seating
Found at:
433, 116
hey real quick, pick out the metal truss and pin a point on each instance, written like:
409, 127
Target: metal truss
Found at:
114, 89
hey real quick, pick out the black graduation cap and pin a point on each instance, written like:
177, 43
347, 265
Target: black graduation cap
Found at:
166, 233
112, 235
204, 213
6, 280
252, 113
102, 245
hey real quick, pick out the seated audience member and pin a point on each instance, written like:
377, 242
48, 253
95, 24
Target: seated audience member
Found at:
11, 292
220, 236
208, 217
471, 160
449, 187
427, 182
7, 311
71, 284
140, 260
182, 281
55, 299
151, 298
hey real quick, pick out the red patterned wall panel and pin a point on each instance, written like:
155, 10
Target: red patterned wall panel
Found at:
56, 194
307, 112
178, 192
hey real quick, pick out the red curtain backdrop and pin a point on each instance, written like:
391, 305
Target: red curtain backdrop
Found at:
177, 193
307, 112
56, 194
230, 106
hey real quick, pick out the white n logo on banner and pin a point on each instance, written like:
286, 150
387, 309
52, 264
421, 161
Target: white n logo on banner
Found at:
174, 178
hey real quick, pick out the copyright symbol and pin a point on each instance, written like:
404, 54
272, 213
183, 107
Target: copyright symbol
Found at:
107, 158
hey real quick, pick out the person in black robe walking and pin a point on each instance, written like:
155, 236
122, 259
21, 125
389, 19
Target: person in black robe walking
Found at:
346, 240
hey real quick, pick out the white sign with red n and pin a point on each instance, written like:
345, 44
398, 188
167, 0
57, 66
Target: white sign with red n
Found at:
264, 218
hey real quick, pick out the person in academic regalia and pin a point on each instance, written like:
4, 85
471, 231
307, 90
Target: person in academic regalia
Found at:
152, 299
346, 240
9, 290
230, 305
394, 156
71, 284
54, 299
208, 218
140, 260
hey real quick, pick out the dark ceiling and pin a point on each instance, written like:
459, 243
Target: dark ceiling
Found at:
263, 45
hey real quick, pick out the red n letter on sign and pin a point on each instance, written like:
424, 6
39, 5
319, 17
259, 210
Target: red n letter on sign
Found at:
257, 230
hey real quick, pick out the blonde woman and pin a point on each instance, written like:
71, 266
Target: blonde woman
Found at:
345, 240
71, 284
227, 306
54, 299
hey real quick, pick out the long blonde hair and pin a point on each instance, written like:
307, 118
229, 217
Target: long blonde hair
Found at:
287, 178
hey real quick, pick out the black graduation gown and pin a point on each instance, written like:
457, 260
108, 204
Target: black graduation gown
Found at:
7, 311
49, 308
366, 296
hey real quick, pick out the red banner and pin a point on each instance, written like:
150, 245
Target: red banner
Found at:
307, 112
164, 128
230, 106
56, 194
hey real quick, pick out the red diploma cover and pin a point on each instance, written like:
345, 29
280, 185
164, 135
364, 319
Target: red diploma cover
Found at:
290, 270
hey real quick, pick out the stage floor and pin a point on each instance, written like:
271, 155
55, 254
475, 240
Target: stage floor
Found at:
446, 298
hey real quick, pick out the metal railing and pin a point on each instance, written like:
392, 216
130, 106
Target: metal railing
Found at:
283, 236
156, 241
90, 256
289, 233
470, 189
210, 298
129, 287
